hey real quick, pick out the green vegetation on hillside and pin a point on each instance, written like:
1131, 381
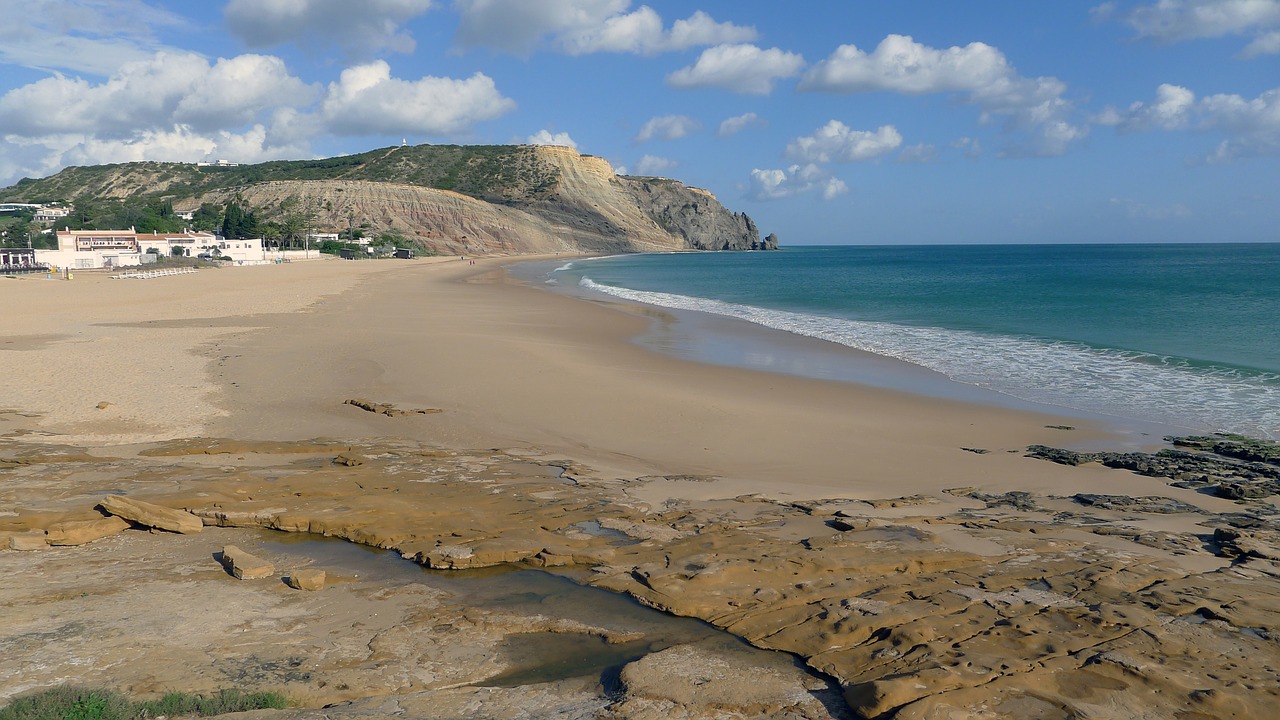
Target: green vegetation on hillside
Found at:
496, 173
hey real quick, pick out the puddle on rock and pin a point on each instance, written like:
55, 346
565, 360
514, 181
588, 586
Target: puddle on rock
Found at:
595, 529
536, 657
547, 657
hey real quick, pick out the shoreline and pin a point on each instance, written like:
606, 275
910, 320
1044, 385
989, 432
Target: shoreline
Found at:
1086, 358
526, 367
725, 341
833, 521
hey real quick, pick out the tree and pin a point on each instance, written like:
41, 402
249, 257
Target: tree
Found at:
232, 221
208, 217
295, 223
238, 223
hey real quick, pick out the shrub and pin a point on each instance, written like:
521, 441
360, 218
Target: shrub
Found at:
72, 703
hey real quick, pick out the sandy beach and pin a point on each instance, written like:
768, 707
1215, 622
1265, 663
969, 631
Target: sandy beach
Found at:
272, 352
255, 356
512, 365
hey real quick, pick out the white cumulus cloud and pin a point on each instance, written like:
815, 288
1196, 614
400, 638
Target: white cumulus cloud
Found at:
837, 142
738, 123
172, 106
234, 90
579, 27
82, 36
900, 64
176, 106
164, 90
654, 165
359, 26
668, 127
367, 100
1174, 20
546, 137
1248, 127
1033, 111
739, 68
1170, 110
1265, 44
775, 184
641, 32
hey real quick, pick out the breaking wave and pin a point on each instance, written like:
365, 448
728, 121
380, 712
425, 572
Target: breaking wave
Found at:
1121, 383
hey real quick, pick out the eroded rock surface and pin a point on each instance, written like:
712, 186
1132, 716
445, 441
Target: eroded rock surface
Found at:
963, 605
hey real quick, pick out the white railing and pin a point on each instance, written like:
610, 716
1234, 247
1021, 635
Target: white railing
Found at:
147, 274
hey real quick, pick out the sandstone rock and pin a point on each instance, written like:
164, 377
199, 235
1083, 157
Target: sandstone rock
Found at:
309, 579
33, 540
151, 515
221, 517
245, 566
454, 557
847, 524
878, 697
643, 531
79, 532
388, 409
711, 675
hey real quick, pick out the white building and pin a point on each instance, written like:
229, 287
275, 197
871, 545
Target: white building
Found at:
51, 214
89, 249
247, 251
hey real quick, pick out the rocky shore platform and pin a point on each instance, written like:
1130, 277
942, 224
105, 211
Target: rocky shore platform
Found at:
960, 604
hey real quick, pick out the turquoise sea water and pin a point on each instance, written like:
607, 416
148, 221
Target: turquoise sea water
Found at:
1187, 335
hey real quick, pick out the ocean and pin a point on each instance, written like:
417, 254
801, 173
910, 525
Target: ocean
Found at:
1175, 335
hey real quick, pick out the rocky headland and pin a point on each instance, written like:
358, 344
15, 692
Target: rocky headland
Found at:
450, 200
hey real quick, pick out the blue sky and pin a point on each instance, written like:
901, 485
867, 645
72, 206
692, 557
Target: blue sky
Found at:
867, 122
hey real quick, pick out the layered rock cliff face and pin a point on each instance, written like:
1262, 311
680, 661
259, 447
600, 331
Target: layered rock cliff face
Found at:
447, 199
696, 216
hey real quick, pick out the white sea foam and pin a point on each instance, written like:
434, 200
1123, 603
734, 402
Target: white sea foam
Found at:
1114, 382
562, 268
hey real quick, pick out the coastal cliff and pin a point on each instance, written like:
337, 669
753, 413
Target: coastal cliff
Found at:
696, 216
446, 199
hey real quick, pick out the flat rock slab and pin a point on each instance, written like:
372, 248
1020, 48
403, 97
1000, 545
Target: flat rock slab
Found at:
310, 579
80, 532
151, 515
34, 540
245, 566
717, 674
